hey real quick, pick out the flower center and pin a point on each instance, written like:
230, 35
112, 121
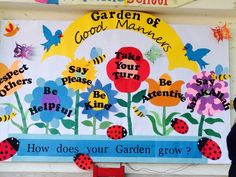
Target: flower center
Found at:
50, 98
127, 66
98, 99
78, 74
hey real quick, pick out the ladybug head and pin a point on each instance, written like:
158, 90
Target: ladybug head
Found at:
124, 131
201, 142
76, 156
173, 121
13, 142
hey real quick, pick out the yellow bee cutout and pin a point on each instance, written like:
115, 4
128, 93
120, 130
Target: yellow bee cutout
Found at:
7, 117
97, 56
220, 73
221, 76
140, 111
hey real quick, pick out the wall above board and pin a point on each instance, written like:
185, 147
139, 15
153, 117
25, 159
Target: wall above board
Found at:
200, 7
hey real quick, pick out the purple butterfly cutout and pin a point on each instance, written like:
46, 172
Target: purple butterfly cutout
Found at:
23, 51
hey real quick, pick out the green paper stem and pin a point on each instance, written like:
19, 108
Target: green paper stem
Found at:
200, 128
76, 131
128, 115
164, 120
23, 117
94, 125
47, 128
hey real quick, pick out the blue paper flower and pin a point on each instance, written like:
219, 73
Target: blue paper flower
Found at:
98, 101
49, 102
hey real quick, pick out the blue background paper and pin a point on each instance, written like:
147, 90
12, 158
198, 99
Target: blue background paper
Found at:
134, 149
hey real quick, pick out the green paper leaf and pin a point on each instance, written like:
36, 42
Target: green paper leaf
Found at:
26, 113
189, 117
213, 120
87, 123
54, 131
17, 125
40, 125
122, 103
105, 124
67, 123
157, 117
211, 132
170, 117
154, 126
120, 115
138, 96
169, 130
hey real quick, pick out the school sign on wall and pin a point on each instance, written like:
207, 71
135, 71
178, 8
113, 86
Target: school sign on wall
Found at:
119, 86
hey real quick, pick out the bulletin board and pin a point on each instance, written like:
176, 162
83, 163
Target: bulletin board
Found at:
119, 86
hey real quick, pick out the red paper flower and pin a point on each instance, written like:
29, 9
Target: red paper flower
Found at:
128, 69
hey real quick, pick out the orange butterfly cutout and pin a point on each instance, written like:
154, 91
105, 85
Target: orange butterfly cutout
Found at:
221, 33
11, 29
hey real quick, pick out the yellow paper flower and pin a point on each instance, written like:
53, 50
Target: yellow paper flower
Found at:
11, 79
164, 92
79, 74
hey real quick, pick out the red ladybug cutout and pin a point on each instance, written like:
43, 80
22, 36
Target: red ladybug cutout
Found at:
83, 161
116, 132
209, 148
8, 148
179, 126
